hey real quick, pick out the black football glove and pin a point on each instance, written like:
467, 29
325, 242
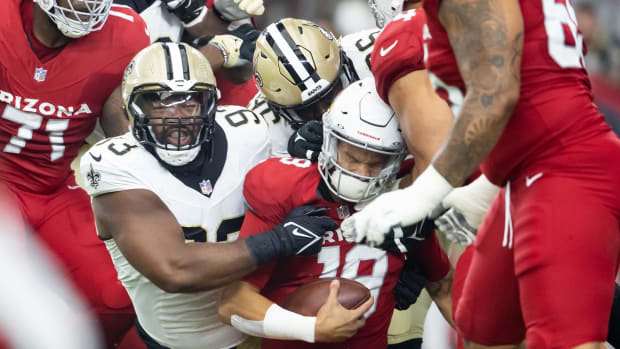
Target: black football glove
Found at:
300, 233
307, 141
410, 284
187, 11
399, 239
249, 35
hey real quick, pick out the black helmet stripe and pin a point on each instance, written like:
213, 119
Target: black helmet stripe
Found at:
176, 61
184, 62
296, 79
283, 45
169, 73
304, 61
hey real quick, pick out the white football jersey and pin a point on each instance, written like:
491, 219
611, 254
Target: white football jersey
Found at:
161, 22
358, 47
209, 207
279, 129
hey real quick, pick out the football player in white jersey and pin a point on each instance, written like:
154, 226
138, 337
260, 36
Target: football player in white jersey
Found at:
168, 190
299, 68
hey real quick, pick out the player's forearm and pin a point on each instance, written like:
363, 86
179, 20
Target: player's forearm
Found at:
242, 299
205, 266
214, 56
209, 26
487, 39
424, 117
441, 293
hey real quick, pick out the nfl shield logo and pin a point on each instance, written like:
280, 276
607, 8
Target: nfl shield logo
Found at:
39, 74
206, 188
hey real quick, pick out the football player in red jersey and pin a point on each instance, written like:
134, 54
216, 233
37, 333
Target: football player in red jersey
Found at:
360, 158
527, 116
398, 66
61, 61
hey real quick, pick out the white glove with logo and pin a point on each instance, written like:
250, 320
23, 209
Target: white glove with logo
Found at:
400, 208
230, 46
467, 207
233, 10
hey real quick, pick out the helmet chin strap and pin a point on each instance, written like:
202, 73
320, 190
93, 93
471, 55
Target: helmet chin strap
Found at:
68, 31
177, 157
348, 186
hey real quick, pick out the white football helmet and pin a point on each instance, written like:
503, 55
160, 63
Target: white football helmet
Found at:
385, 10
359, 117
76, 22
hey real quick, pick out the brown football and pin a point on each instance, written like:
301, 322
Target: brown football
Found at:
308, 299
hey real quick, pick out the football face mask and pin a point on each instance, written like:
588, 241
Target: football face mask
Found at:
173, 121
77, 18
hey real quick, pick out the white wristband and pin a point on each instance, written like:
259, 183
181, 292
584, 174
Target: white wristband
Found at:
283, 324
431, 185
279, 323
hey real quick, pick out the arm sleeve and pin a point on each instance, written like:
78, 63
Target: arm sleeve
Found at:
431, 257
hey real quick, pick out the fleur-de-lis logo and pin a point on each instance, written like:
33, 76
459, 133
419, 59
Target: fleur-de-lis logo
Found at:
93, 177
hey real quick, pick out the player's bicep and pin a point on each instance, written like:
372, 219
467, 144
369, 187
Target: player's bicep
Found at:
143, 228
113, 120
242, 299
425, 119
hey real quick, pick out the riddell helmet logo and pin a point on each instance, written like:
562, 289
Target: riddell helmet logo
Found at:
368, 135
316, 89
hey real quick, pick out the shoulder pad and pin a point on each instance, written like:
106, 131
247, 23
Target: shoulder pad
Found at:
278, 185
109, 165
398, 51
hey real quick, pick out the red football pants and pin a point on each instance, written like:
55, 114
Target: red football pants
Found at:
64, 222
544, 268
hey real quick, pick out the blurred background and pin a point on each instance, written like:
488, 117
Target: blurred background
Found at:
597, 19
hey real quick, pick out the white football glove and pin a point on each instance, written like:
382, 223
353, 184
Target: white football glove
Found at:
467, 207
233, 10
400, 208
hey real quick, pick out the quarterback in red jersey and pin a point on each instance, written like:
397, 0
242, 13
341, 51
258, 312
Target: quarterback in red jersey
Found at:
60, 62
527, 116
360, 157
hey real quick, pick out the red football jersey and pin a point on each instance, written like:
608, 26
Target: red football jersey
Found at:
274, 188
233, 94
399, 50
48, 108
555, 109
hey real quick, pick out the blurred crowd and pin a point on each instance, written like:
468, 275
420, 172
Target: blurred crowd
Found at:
601, 32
